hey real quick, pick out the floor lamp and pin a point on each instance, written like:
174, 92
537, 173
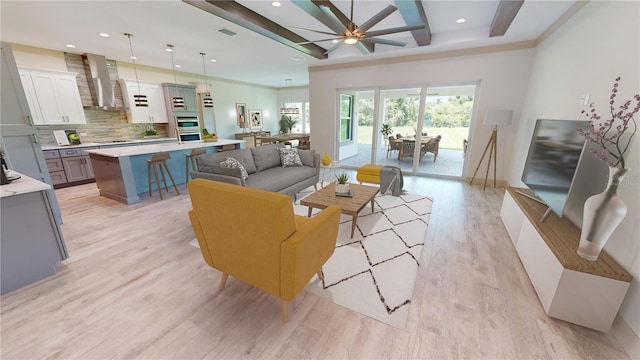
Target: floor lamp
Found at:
495, 118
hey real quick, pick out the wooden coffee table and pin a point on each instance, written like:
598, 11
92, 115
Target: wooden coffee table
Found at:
325, 197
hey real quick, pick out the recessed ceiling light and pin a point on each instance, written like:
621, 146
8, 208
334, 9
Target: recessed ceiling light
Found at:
276, 3
461, 20
71, 46
104, 34
178, 66
335, 41
213, 60
133, 57
168, 49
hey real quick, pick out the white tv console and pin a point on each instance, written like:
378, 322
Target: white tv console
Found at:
570, 288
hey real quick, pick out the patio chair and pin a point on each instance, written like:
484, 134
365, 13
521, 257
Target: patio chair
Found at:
432, 146
394, 145
407, 147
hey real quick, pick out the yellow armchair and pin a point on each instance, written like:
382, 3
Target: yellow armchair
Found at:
254, 236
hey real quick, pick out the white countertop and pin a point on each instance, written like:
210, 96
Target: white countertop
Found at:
91, 144
24, 185
156, 148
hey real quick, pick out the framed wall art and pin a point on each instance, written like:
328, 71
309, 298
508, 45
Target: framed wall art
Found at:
241, 113
255, 116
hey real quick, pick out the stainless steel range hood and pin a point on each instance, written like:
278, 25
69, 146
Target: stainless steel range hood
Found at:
100, 84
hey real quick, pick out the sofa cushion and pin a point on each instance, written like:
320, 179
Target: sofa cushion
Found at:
278, 178
234, 164
289, 157
306, 156
247, 161
244, 156
266, 156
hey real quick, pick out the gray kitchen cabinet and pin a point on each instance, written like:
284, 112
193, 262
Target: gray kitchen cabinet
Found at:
30, 247
56, 169
20, 143
77, 164
186, 92
76, 168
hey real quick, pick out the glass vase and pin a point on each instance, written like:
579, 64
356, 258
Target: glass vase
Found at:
602, 214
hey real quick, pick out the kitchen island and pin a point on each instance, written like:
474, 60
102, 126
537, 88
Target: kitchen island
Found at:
121, 172
32, 243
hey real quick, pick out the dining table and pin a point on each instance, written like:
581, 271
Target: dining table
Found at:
302, 137
406, 146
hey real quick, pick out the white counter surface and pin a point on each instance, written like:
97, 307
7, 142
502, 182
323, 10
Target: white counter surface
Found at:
156, 148
91, 144
24, 185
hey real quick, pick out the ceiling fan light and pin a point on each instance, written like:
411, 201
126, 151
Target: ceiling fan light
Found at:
351, 40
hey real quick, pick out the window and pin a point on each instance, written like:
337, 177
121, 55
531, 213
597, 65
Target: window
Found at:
346, 117
303, 124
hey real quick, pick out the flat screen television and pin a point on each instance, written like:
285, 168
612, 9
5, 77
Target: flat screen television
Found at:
552, 162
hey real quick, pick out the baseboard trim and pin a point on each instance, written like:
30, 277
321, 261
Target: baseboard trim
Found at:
626, 337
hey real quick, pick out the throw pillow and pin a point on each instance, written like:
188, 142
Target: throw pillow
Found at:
289, 157
235, 164
307, 157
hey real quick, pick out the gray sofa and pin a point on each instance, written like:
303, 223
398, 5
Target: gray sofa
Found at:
264, 168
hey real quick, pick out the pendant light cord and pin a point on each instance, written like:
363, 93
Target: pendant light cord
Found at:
204, 70
133, 58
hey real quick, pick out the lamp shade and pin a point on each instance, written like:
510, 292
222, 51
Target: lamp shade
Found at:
498, 117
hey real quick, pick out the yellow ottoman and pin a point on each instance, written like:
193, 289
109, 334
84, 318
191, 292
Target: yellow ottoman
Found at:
369, 173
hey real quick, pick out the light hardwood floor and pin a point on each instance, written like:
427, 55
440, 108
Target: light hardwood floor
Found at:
134, 288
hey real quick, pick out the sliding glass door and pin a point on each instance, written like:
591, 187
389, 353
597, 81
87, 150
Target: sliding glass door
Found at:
356, 127
421, 129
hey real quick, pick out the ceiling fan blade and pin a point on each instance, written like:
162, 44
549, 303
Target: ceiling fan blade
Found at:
315, 31
334, 23
335, 47
365, 47
315, 41
394, 30
385, 42
377, 18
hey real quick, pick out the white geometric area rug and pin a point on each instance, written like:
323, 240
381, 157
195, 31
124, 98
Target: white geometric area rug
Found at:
375, 272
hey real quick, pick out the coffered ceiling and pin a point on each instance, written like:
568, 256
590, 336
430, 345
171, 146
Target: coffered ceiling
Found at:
280, 43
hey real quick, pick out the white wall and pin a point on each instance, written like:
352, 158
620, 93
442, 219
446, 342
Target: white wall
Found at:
503, 79
584, 56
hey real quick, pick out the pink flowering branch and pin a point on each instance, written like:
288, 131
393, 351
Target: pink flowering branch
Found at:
608, 135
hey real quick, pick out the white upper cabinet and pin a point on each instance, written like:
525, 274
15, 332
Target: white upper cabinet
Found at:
144, 101
53, 97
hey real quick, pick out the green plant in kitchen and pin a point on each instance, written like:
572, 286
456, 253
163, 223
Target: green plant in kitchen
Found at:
342, 178
149, 131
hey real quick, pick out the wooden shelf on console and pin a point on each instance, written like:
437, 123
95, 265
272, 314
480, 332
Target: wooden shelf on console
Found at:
562, 238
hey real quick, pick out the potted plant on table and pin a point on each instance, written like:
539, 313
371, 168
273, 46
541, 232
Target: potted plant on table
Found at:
342, 186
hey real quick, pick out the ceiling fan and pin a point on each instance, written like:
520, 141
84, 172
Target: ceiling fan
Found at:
347, 32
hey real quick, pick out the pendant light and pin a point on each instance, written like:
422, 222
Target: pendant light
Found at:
177, 101
207, 101
139, 100
289, 110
